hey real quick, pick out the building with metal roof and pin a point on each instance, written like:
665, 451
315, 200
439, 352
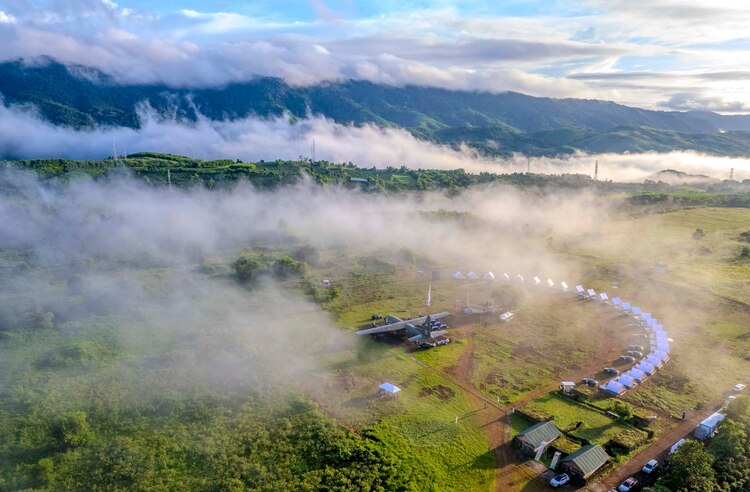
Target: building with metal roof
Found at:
585, 462
532, 438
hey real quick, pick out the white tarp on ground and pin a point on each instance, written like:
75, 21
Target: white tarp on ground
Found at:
489, 276
389, 388
626, 380
614, 387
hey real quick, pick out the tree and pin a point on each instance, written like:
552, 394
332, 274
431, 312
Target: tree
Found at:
691, 471
73, 430
731, 441
286, 267
246, 269
698, 234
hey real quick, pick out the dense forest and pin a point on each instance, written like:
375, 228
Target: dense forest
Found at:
493, 124
171, 170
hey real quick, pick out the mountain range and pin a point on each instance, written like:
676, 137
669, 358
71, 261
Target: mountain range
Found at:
493, 124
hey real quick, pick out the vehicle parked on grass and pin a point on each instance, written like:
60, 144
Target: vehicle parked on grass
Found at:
628, 485
612, 371
638, 348
559, 480
649, 467
634, 354
627, 358
590, 382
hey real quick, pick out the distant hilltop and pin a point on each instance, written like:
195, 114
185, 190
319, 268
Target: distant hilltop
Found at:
492, 124
676, 178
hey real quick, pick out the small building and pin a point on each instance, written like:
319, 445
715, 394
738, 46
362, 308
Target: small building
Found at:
567, 386
531, 439
708, 427
388, 390
585, 462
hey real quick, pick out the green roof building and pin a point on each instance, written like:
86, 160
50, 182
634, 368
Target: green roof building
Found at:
532, 438
585, 462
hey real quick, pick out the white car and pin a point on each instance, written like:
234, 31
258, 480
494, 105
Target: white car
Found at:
559, 480
628, 485
649, 467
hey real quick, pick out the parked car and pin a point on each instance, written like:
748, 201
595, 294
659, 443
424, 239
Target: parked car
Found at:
628, 485
376, 316
639, 348
590, 382
635, 353
627, 358
612, 371
559, 480
649, 467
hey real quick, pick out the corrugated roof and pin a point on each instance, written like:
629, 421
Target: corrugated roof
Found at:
589, 458
541, 432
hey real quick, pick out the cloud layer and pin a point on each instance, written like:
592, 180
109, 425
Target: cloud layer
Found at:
24, 135
665, 54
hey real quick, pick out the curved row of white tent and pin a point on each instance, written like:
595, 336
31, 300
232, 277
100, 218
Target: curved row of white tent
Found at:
658, 338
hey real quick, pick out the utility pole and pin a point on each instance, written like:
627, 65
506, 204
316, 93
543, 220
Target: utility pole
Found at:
596, 170
731, 174
313, 151
169, 178
528, 165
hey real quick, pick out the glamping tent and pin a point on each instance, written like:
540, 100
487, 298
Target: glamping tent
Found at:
626, 380
637, 374
614, 387
646, 367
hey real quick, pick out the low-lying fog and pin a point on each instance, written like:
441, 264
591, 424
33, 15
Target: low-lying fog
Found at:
24, 135
89, 250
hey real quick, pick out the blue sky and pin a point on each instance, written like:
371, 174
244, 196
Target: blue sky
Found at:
663, 54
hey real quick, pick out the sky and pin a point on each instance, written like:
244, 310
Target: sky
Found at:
660, 54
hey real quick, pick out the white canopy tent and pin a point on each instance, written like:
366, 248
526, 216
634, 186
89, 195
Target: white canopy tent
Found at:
458, 276
489, 276
472, 275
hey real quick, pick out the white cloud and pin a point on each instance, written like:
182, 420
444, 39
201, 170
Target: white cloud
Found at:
24, 135
6, 18
439, 47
